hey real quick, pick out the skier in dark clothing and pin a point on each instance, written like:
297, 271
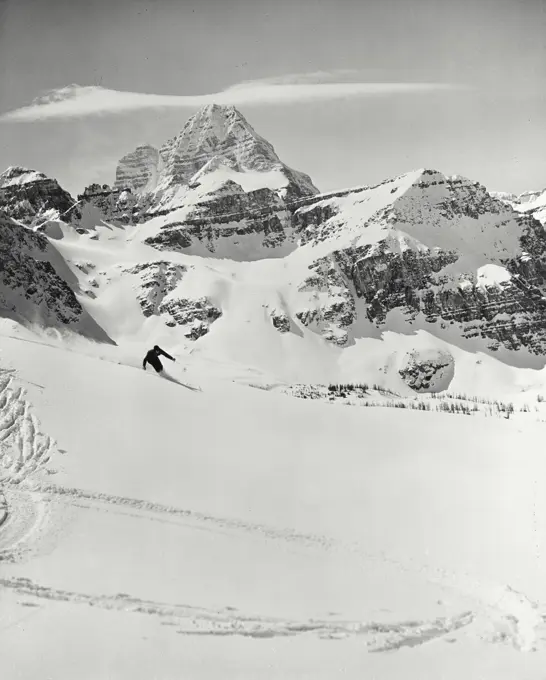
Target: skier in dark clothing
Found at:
152, 358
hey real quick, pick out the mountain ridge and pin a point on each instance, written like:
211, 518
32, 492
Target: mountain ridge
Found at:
214, 232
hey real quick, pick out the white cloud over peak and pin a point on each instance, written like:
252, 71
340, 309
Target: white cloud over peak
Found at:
76, 101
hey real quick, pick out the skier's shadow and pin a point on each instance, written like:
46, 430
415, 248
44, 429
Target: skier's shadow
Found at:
166, 376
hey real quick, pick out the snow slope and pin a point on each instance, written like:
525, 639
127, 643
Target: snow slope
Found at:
239, 517
286, 538
210, 526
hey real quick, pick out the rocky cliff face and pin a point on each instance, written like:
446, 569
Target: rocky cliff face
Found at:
216, 186
139, 170
230, 222
215, 137
441, 250
36, 285
157, 284
330, 308
33, 199
105, 204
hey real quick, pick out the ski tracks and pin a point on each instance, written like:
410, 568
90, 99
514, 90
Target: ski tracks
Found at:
157, 510
33, 525
190, 620
33, 514
500, 614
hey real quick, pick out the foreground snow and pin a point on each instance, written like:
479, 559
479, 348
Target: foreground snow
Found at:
162, 531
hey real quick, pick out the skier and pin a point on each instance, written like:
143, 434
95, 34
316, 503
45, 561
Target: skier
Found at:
153, 358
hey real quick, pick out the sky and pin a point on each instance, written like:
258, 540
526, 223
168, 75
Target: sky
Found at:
349, 91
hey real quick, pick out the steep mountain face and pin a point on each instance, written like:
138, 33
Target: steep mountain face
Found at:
36, 285
217, 139
139, 170
34, 199
216, 187
103, 204
433, 249
226, 222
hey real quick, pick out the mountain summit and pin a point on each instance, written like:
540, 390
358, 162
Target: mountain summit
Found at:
216, 140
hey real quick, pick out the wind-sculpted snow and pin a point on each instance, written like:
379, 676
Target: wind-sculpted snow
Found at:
25, 453
24, 448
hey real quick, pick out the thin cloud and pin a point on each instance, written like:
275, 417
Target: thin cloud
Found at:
302, 78
75, 101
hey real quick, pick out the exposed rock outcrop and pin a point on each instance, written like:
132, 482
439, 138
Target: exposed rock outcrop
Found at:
103, 204
280, 320
330, 306
158, 295
428, 371
439, 249
157, 280
231, 222
139, 170
196, 315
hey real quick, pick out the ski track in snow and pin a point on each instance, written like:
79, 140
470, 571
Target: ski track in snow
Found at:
33, 525
190, 620
33, 515
510, 615
160, 509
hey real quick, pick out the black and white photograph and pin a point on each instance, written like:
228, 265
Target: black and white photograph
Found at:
273, 339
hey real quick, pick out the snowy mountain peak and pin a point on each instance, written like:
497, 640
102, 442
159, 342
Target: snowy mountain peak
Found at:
216, 131
218, 114
220, 134
17, 175
426, 178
